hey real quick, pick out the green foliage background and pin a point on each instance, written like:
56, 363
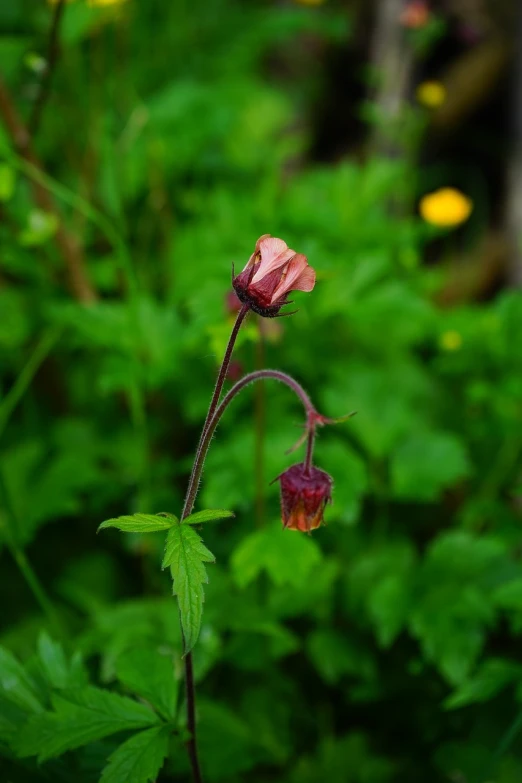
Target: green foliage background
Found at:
386, 647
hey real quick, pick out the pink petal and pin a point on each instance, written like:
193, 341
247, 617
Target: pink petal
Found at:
254, 258
305, 281
274, 254
298, 276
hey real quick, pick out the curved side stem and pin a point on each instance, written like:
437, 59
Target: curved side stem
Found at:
258, 375
214, 415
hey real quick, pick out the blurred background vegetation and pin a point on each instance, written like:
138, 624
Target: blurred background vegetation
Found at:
144, 147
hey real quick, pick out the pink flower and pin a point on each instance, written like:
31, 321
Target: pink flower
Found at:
273, 270
304, 495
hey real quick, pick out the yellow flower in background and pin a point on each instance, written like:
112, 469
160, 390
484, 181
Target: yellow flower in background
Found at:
445, 208
450, 340
92, 3
431, 94
103, 3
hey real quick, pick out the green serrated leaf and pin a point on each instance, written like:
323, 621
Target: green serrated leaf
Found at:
80, 717
149, 674
209, 515
140, 523
16, 685
185, 553
139, 759
194, 543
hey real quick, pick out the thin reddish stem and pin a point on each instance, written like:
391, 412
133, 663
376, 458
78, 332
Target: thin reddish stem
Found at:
214, 414
193, 485
309, 447
191, 744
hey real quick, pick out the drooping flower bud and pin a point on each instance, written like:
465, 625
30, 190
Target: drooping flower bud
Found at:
272, 271
304, 495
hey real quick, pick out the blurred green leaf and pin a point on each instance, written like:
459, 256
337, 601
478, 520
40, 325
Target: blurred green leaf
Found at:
344, 760
425, 463
225, 741
7, 182
149, 673
139, 759
41, 226
287, 556
79, 718
335, 655
16, 684
492, 677
53, 660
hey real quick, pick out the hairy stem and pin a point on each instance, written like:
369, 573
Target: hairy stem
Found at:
258, 375
192, 746
259, 434
190, 497
309, 449
215, 411
193, 482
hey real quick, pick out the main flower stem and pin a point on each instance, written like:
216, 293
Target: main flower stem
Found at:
215, 411
193, 484
192, 747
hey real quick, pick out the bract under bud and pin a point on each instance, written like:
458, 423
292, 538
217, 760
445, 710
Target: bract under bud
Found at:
304, 495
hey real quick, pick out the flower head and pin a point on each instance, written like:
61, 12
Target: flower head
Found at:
445, 208
304, 495
272, 271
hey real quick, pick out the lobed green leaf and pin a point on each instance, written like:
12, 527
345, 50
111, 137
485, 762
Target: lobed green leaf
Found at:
16, 685
288, 559
80, 717
149, 674
186, 554
53, 660
141, 523
208, 515
139, 759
